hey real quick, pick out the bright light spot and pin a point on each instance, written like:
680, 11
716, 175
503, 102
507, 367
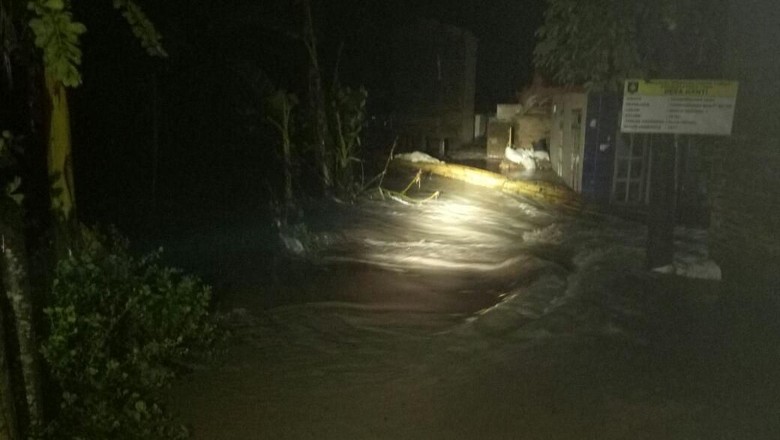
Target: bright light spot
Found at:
488, 180
453, 211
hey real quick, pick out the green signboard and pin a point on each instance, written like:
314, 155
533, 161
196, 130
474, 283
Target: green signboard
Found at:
679, 106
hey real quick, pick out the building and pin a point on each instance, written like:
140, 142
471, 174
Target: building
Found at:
588, 153
591, 155
434, 83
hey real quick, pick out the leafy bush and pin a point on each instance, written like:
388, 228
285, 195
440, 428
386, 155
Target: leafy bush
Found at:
119, 327
347, 114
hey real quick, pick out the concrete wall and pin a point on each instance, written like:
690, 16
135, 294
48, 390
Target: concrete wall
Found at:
531, 127
498, 137
525, 126
508, 112
480, 125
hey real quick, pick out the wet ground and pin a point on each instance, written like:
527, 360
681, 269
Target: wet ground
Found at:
476, 315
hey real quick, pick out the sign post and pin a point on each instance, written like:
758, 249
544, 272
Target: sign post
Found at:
673, 107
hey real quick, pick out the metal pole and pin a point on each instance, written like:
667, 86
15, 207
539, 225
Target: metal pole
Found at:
661, 217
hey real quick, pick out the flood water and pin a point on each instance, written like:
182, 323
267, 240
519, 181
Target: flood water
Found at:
474, 314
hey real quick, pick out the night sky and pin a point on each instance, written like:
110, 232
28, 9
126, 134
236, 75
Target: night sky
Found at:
504, 29
243, 29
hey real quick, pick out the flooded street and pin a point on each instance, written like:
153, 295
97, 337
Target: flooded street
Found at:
478, 314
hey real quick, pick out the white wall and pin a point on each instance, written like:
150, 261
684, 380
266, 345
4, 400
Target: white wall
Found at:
567, 137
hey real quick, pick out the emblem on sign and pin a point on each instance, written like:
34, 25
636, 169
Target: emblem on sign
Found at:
632, 86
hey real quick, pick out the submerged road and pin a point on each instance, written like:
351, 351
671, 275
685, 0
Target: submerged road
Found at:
481, 315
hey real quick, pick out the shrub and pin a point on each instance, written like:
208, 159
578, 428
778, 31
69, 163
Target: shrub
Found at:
119, 326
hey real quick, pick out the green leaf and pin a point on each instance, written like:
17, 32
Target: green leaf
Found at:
58, 36
54, 5
36, 24
12, 190
141, 27
77, 28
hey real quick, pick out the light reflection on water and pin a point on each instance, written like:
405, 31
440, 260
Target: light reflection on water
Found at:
467, 240
465, 229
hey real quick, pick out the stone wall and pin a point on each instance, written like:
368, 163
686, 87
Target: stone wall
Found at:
531, 127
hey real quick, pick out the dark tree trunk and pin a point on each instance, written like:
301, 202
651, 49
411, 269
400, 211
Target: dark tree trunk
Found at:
317, 97
9, 425
13, 267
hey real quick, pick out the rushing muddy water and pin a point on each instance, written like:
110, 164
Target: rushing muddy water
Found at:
472, 315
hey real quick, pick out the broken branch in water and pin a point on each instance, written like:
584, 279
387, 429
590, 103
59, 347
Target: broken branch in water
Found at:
381, 176
401, 196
